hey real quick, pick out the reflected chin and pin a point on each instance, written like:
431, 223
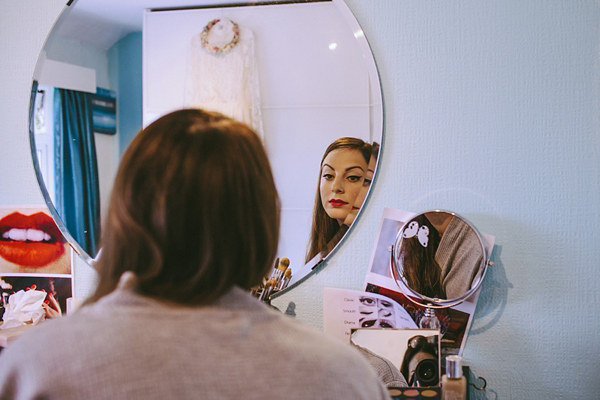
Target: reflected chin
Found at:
338, 213
351, 216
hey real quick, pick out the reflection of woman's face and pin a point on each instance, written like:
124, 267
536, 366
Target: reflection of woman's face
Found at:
362, 194
342, 175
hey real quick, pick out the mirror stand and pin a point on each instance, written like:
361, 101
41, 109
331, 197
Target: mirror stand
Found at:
438, 260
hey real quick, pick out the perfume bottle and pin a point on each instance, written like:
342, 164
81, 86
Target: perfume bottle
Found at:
454, 384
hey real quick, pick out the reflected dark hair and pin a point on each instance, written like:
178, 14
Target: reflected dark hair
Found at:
375, 150
324, 228
421, 271
194, 210
417, 344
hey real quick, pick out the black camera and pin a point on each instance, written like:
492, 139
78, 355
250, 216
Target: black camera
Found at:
426, 373
420, 365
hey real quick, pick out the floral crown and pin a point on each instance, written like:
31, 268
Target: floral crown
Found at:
216, 49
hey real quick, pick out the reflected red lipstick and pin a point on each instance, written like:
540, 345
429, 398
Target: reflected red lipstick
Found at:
30, 240
337, 203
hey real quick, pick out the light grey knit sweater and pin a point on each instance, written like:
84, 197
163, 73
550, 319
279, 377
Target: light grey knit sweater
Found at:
127, 346
459, 255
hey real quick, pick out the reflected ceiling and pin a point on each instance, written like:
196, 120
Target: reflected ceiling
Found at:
103, 23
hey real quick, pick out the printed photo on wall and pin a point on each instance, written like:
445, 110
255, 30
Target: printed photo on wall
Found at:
30, 242
415, 353
57, 289
454, 321
344, 310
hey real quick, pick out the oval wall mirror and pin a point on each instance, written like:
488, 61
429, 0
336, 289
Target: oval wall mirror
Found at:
438, 259
316, 83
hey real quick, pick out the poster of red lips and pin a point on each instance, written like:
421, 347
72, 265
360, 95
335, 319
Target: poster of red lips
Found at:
30, 242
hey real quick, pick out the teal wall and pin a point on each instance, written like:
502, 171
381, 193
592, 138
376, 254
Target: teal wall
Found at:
125, 66
492, 110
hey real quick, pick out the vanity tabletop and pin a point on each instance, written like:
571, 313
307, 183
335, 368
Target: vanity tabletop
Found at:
10, 334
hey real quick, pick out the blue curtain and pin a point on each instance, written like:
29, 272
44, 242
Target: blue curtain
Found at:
76, 167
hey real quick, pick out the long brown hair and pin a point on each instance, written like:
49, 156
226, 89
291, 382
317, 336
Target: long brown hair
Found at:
194, 210
421, 271
324, 228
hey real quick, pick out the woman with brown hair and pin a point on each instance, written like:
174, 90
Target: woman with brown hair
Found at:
193, 223
342, 174
421, 271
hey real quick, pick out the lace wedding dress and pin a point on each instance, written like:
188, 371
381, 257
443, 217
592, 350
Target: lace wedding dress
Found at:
225, 82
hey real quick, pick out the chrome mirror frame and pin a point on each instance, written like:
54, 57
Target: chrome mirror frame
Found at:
429, 302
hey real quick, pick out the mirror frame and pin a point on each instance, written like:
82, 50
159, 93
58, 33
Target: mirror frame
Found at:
426, 301
38, 173
307, 269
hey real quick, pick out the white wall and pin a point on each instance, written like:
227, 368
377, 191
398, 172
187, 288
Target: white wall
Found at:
491, 111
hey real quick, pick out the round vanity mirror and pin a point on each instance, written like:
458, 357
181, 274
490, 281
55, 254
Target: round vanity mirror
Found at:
438, 259
110, 68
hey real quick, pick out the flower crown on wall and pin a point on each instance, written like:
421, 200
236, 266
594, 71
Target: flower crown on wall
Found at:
216, 49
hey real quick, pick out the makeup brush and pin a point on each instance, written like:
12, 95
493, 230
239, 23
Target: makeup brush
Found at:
279, 271
282, 284
267, 290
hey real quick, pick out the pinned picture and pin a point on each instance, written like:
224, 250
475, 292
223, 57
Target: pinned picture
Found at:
54, 293
415, 353
30, 242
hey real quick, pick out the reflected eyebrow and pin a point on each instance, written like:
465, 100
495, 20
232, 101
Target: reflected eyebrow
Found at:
356, 166
347, 169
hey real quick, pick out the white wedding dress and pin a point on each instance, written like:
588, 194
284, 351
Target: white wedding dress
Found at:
225, 82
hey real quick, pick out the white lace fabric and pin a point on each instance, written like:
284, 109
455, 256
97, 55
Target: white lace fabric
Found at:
225, 82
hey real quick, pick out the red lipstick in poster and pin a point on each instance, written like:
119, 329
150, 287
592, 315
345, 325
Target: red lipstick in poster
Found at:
30, 240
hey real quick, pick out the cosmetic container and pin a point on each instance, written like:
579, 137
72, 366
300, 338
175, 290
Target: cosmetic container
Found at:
454, 384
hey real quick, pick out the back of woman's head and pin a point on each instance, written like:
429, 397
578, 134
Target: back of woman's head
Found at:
421, 270
194, 210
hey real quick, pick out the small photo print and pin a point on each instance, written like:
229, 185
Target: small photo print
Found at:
30, 242
58, 290
415, 352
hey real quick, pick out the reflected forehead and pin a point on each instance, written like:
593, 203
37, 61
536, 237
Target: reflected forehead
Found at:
343, 159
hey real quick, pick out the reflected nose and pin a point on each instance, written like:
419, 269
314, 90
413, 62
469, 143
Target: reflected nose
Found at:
338, 185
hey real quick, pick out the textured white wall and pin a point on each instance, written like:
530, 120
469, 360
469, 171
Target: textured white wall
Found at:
491, 111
